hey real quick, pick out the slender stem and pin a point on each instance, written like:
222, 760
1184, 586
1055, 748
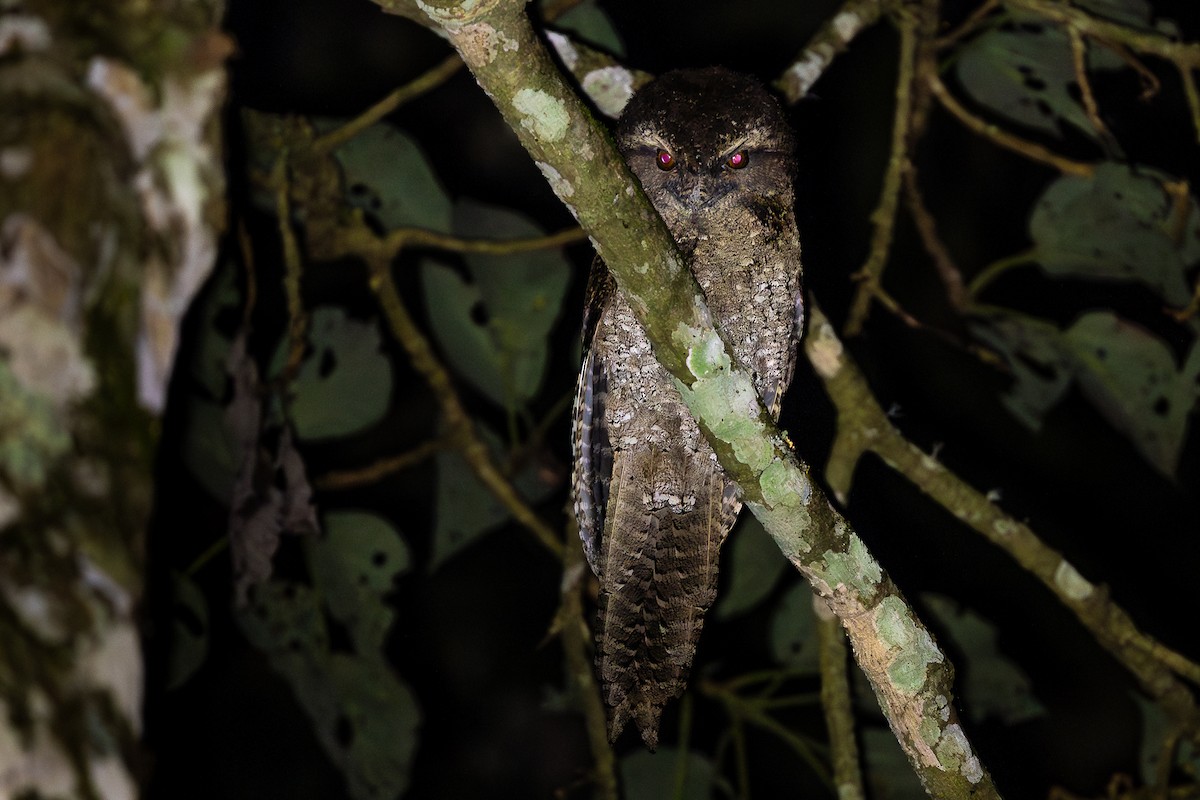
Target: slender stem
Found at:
428, 80
947, 270
293, 269
402, 238
346, 479
1155, 666
1184, 54
998, 136
833, 38
576, 638
994, 270
459, 425
837, 704
884, 216
681, 758
1079, 62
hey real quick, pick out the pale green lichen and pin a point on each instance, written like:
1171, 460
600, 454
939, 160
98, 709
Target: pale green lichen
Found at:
914, 648
542, 114
727, 403
854, 568
784, 485
705, 353
1074, 585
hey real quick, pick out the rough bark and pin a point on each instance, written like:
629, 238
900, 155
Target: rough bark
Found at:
110, 198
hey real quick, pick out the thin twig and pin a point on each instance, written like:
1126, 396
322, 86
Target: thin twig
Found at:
459, 425
833, 38
1030, 150
402, 238
862, 421
349, 478
1192, 94
968, 26
576, 639
837, 703
293, 269
741, 709
1079, 62
947, 270
884, 217
1142, 41
423, 83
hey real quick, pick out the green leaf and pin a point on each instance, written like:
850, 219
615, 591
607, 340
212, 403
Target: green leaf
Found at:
1129, 375
754, 565
793, 629
208, 449
364, 716
588, 22
354, 564
992, 685
189, 630
465, 509
344, 384
1032, 349
1116, 225
1026, 73
652, 776
493, 329
1126, 372
387, 175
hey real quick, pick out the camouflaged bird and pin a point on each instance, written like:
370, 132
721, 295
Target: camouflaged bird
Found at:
715, 156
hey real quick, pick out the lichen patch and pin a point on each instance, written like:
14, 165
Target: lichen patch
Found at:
542, 114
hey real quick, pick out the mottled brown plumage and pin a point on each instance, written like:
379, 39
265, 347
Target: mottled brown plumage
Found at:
715, 156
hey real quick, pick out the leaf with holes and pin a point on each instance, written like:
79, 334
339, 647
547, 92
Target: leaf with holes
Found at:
354, 564
365, 718
465, 510
992, 684
1024, 71
1118, 225
793, 630
1130, 375
387, 175
494, 328
754, 565
1032, 350
345, 383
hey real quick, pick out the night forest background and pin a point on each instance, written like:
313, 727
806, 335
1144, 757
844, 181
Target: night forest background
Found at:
453, 683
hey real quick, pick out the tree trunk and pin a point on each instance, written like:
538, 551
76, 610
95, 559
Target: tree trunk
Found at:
111, 196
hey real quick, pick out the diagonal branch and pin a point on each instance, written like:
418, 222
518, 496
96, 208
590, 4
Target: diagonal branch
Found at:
864, 426
910, 675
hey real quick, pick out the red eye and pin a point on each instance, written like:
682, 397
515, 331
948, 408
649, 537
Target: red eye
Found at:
738, 159
665, 160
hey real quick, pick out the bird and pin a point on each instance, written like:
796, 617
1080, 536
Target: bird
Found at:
714, 154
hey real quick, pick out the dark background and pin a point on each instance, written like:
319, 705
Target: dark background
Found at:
471, 637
